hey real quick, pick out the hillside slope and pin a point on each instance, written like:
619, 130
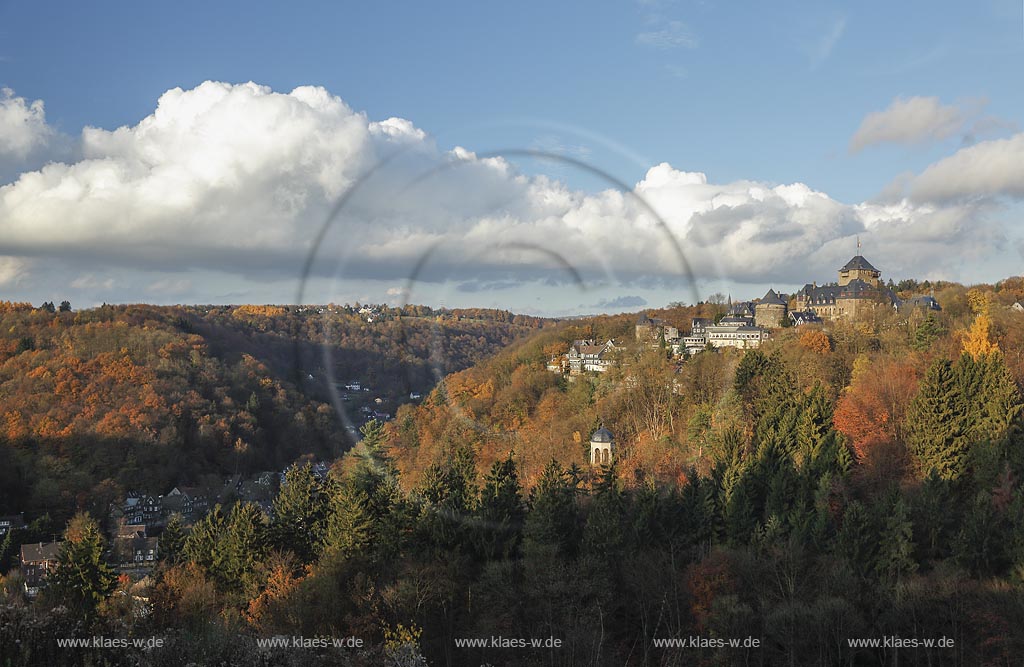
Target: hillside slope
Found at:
100, 401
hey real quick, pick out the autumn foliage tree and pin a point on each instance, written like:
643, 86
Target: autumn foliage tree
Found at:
977, 341
816, 340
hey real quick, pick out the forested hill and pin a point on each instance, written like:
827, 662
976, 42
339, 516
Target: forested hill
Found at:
670, 415
100, 401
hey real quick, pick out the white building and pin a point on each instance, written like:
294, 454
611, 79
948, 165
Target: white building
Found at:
588, 356
730, 332
741, 336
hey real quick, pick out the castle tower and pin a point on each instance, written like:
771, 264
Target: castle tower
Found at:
859, 268
771, 311
602, 443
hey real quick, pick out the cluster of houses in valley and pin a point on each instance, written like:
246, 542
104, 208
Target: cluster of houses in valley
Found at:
134, 523
746, 324
373, 411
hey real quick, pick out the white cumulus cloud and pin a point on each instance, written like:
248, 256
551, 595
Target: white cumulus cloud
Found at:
23, 127
988, 169
239, 179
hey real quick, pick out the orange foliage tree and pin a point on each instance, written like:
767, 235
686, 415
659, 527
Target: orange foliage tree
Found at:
870, 411
816, 340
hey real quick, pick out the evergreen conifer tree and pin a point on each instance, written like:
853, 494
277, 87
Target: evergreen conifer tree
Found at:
896, 543
82, 579
202, 544
242, 547
172, 540
553, 516
936, 423
857, 539
927, 333
300, 514
501, 510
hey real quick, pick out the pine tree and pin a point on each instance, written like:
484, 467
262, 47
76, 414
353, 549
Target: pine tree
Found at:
300, 514
604, 531
501, 510
553, 516
450, 491
927, 333
896, 543
997, 421
172, 540
649, 521
814, 433
699, 510
350, 526
242, 548
368, 504
983, 544
934, 518
936, 422
202, 543
740, 514
856, 540
82, 579
844, 456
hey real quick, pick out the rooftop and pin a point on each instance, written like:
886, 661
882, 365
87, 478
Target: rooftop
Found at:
858, 263
772, 298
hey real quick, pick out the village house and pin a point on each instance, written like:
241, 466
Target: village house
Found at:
38, 561
139, 509
697, 340
589, 356
133, 553
800, 318
11, 522
652, 330
188, 501
558, 364
918, 302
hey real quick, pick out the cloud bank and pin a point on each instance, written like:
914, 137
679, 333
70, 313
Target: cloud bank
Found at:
238, 179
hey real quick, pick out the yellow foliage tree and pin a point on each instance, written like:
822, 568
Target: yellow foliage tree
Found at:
979, 301
977, 341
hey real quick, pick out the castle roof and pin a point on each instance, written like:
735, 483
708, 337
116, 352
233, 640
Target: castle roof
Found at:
647, 320
859, 263
855, 289
602, 435
773, 299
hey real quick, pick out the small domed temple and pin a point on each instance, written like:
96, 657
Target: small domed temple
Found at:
602, 443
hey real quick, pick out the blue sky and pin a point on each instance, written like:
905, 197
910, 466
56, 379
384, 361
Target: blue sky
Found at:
770, 93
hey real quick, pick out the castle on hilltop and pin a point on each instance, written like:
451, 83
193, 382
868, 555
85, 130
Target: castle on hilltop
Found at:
858, 290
